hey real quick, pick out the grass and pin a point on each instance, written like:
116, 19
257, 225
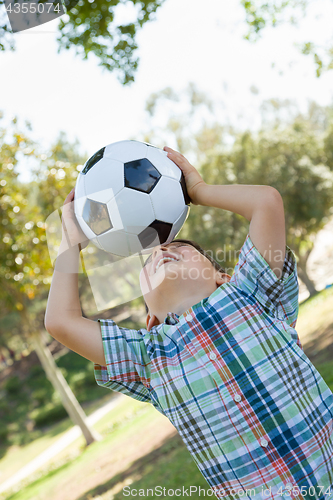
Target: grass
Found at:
170, 467
29, 405
103, 469
315, 327
123, 429
23, 403
16, 457
309, 323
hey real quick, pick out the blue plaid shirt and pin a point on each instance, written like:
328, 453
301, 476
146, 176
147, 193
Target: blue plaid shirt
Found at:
231, 376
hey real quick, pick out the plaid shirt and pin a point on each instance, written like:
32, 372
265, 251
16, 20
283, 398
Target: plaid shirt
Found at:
231, 376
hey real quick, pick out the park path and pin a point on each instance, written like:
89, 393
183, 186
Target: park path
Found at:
69, 437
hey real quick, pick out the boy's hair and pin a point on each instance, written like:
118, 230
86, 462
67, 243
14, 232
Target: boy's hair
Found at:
202, 251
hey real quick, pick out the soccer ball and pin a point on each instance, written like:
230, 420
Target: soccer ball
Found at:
130, 197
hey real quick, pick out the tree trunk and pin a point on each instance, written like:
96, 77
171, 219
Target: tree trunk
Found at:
60, 384
306, 280
302, 261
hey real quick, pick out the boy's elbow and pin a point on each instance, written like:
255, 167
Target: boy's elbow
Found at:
52, 326
273, 195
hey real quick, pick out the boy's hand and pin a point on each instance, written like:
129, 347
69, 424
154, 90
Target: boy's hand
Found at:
193, 179
72, 234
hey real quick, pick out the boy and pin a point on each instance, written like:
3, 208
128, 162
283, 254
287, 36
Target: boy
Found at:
220, 357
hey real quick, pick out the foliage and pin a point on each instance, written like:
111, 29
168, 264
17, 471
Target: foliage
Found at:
25, 265
48, 414
56, 174
22, 238
292, 161
263, 13
31, 402
293, 156
12, 385
328, 147
93, 27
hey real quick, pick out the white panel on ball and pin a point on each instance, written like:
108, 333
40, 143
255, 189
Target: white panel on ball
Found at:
115, 242
86, 229
114, 214
178, 224
135, 210
102, 196
96, 242
80, 194
167, 200
164, 165
105, 172
126, 151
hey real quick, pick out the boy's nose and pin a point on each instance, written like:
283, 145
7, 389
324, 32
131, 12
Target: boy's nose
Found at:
159, 249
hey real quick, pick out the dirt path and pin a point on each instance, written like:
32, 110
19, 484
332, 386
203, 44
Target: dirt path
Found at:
117, 461
69, 437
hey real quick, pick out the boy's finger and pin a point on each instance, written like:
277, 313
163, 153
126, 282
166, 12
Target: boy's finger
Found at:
70, 196
176, 154
169, 150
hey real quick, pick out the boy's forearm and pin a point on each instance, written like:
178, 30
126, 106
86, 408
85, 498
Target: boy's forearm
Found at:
63, 302
241, 199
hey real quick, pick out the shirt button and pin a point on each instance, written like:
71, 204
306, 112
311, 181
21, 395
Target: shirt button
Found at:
263, 442
212, 355
238, 398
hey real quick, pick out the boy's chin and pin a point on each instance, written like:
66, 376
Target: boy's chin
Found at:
163, 280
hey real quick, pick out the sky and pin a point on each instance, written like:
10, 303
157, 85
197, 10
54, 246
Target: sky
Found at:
185, 43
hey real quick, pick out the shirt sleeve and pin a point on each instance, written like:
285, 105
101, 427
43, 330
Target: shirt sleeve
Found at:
128, 364
254, 276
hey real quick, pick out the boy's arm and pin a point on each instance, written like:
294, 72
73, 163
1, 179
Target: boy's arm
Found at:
263, 207
63, 317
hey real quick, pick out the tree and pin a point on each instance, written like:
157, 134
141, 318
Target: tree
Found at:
25, 268
295, 157
290, 160
263, 13
92, 27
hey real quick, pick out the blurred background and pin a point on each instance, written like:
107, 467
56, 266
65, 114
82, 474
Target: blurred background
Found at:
244, 90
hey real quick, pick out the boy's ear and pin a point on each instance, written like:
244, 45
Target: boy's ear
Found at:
151, 321
222, 278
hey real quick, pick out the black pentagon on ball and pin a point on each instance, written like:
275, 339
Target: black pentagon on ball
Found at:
187, 199
156, 233
96, 216
93, 160
141, 175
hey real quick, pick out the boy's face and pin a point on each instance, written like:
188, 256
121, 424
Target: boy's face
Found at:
165, 262
174, 272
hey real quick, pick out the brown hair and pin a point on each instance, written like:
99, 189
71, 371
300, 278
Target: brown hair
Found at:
201, 250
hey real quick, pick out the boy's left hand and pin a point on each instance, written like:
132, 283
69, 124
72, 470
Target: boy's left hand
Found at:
193, 179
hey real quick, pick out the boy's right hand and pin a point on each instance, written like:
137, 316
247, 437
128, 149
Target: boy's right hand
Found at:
72, 234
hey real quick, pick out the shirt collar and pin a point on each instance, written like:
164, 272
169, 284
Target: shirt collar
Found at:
171, 318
